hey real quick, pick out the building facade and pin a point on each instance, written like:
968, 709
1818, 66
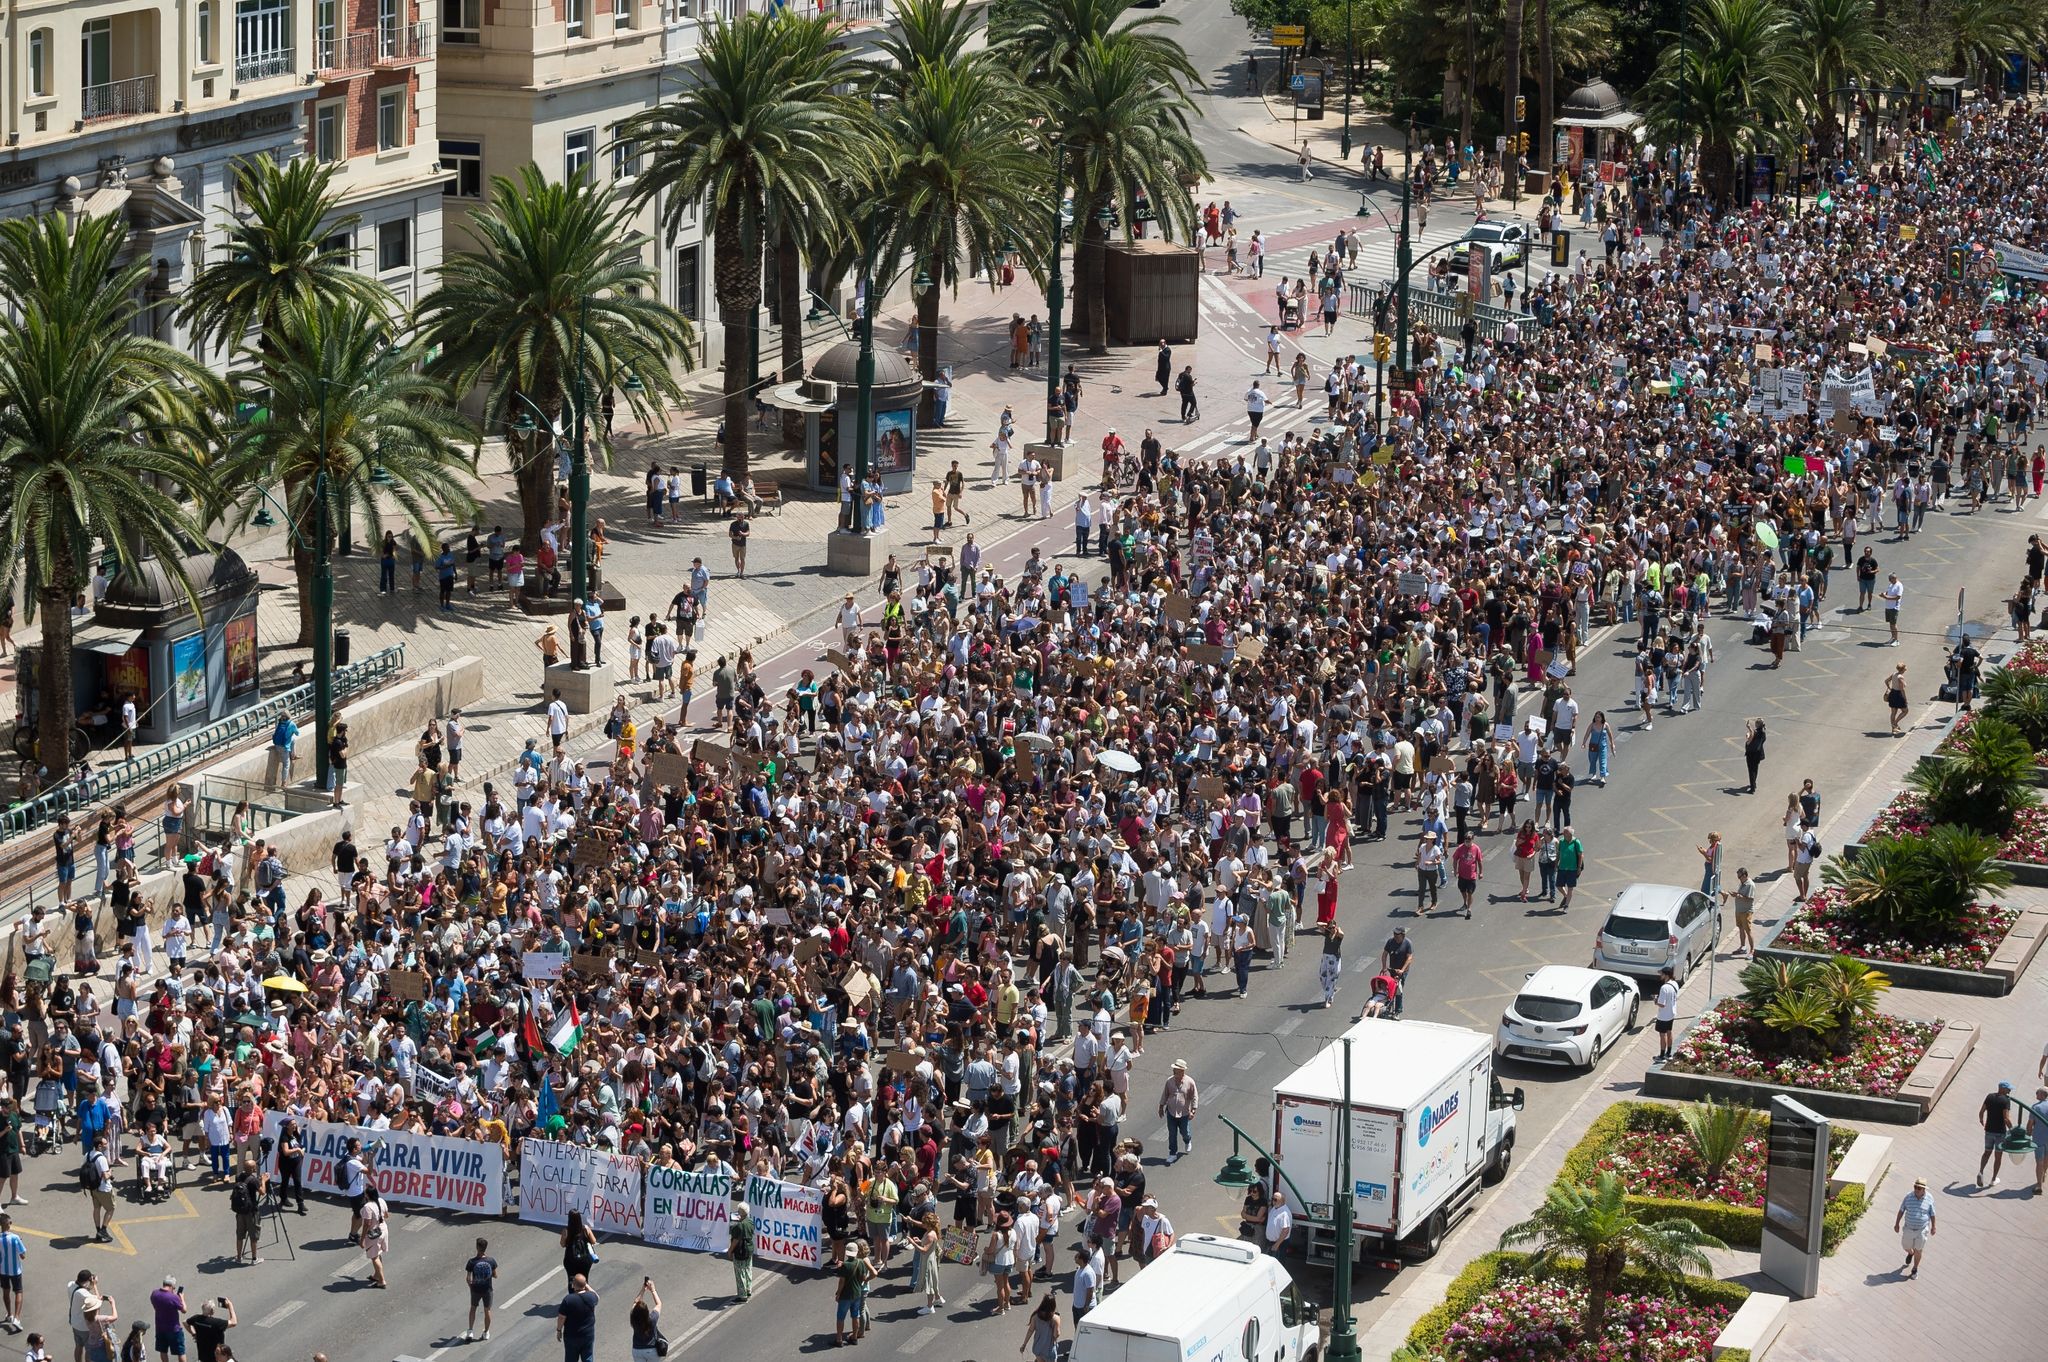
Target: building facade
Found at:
146, 107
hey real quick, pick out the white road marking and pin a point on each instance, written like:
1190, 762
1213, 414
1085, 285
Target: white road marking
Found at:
1249, 1059
280, 1315
918, 1340
1290, 1026
352, 1266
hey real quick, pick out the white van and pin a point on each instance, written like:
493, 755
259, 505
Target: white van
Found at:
1206, 1299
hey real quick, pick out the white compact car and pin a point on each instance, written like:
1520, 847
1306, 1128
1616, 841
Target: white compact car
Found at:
1506, 242
1565, 1014
1655, 925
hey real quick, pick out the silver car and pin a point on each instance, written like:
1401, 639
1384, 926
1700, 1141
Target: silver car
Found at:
1655, 925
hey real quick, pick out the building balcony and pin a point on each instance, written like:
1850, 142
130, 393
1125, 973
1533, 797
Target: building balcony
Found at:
118, 99
385, 45
251, 67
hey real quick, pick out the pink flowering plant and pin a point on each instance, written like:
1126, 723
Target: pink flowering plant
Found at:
2026, 840
1732, 1041
1673, 1153
1826, 924
1527, 1319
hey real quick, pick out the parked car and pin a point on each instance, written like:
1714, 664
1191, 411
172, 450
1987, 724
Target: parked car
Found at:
1506, 242
1564, 1014
1654, 925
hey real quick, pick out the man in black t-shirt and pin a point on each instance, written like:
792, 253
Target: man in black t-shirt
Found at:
1395, 958
1995, 1116
245, 1199
209, 1330
576, 1321
481, 1272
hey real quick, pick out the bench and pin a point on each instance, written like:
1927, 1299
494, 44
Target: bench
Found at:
1754, 1326
1863, 1165
768, 497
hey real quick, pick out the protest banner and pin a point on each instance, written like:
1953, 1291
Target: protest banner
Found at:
615, 1204
554, 1179
687, 1210
407, 985
789, 1221
412, 1170
542, 966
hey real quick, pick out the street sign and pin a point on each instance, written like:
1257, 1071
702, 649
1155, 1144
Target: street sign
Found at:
1298, 83
1290, 35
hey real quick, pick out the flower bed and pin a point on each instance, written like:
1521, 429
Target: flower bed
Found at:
2027, 842
1645, 1143
1823, 925
1494, 1311
1728, 1042
1952, 740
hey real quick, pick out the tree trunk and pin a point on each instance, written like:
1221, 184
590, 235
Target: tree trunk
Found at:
736, 272
1510, 87
56, 708
928, 353
1546, 85
789, 288
535, 476
1093, 302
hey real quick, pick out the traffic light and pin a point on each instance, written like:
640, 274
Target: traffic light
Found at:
1957, 263
1383, 348
1525, 144
1522, 110
1560, 248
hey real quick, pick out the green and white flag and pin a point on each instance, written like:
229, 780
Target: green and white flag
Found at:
1825, 200
1931, 149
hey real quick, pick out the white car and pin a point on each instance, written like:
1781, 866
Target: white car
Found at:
1506, 242
1566, 1014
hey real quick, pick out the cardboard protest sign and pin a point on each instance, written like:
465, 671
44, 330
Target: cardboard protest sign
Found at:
407, 984
1178, 607
1250, 649
715, 755
590, 964
1205, 654
668, 768
1207, 787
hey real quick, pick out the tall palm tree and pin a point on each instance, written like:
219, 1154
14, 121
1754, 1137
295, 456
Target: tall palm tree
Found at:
1594, 1223
346, 398
1510, 79
1985, 30
1839, 42
1123, 124
958, 181
1050, 35
756, 137
557, 272
1581, 34
274, 254
97, 425
1546, 82
1729, 86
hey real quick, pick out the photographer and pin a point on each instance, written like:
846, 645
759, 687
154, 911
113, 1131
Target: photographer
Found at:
291, 1165
209, 1330
245, 1199
352, 1180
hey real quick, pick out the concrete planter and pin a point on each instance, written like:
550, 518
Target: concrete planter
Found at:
2010, 960
1916, 1097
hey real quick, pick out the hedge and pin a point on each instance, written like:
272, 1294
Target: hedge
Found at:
1736, 1226
1486, 1272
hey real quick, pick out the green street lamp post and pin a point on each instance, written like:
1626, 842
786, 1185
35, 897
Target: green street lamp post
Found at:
864, 379
1404, 255
1055, 296
1343, 1346
323, 598
1350, 75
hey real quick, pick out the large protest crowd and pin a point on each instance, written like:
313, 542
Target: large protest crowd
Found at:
843, 938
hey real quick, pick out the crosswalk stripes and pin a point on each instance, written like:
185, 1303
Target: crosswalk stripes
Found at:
1279, 420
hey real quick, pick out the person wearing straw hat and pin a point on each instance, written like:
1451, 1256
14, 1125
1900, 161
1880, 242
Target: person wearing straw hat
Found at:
1914, 1224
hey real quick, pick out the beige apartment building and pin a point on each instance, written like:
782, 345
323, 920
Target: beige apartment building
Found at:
144, 108
549, 81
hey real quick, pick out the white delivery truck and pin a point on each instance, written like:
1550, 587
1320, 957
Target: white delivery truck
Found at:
1429, 1124
1206, 1299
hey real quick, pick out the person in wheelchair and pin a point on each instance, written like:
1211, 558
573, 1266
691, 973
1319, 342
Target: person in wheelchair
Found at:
155, 1160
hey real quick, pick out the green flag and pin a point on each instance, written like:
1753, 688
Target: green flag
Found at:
1931, 149
1825, 201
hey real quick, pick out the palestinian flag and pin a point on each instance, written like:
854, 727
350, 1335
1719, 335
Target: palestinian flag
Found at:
566, 1031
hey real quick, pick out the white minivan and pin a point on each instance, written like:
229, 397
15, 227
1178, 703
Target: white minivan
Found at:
1654, 925
1206, 1299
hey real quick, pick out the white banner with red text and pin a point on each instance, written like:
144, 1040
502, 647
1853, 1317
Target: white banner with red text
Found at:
618, 1194
411, 1170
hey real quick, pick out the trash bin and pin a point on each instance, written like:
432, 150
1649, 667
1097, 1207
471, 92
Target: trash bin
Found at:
341, 647
700, 481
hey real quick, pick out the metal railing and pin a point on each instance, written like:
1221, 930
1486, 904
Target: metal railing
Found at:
118, 99
253, 66
388, 44
352, 680
1443, 313
283, 801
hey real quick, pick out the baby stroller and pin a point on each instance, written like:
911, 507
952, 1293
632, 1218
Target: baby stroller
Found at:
46, 1133
1385, 990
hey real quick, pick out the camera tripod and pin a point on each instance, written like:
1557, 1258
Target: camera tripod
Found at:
273, 1207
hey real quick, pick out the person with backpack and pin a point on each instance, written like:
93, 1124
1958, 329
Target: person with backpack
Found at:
352, 1180
96, 1177
245, 1199
481, 1272
740, 1247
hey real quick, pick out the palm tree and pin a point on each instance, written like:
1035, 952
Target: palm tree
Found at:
1840, 42
98, 425
1715, 1130
1593, 1222
275, 254
756, 136
959, 180
1123, 124
557, 273
1050, 36
347, 401
1984, 783
1511, 82
1546, 82
1729, 86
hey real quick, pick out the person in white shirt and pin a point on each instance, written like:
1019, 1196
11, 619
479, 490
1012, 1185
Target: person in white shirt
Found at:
1087, 1283
1667, 1011
1279, 1223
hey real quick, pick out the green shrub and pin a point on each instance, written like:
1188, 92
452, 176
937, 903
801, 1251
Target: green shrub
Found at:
1487, 1271
1919, 887
1987, 780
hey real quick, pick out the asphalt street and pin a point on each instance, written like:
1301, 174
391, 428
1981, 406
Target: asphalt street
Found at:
1670, 787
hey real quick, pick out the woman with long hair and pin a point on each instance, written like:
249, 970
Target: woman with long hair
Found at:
1525, 854
579, 1247
376, 1217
